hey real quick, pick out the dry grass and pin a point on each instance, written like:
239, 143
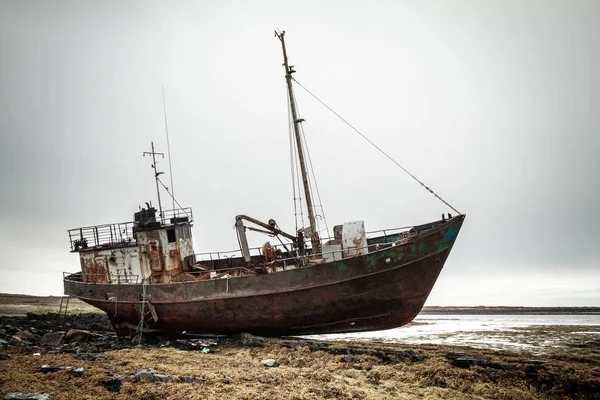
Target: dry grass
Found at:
22, 304
236, 372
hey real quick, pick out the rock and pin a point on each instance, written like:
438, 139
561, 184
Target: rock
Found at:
52, 339
77, 335
4, 357
151, 375
44, 369
47, 368
145, 375
384, 354
191, 379
453, 355
252, 341
87, 356
533, 362
26, 396
11, 330
24, 338
162, 377
270, 363
77, 372
35, 350
112, 383
3, 342
2, 331
468, 361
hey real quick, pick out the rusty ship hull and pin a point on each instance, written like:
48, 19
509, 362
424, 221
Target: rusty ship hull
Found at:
382, 289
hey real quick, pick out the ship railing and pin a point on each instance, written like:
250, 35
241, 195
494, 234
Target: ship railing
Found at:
224, 255
388, 232
103, 278
257, 251
293, 261
173, 215
109, 235
370, 248
226, 272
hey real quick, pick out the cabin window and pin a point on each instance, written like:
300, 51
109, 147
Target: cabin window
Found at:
183, 232
171, 235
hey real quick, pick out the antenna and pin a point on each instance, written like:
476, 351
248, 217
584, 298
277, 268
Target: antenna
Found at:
156, 174
168, 148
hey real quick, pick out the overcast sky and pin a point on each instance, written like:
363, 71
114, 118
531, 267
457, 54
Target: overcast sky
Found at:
493, 104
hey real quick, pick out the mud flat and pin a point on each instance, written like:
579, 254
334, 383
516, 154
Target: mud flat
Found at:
43, 353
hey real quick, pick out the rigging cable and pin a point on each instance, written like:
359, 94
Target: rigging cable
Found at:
167, 190
292, 165
298, 179
168, 148
314, 178
377, 147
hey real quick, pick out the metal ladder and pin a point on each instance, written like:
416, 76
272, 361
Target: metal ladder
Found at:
66, 305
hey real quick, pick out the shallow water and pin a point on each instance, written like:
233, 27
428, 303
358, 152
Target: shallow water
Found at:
537, 333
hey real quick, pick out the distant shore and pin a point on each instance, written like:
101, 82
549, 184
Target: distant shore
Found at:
22, 303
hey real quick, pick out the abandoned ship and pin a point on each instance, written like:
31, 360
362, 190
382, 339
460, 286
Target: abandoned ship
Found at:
145, 275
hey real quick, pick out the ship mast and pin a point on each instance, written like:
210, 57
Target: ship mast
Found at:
289, 70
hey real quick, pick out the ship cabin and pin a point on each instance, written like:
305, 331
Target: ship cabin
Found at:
146, 250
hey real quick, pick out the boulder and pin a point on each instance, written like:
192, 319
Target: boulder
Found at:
77, 372
77, 335
112, 382
270, 363
145, 375
4, 357
52, 339
252, 341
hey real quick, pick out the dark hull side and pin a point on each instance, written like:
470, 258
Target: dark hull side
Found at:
381, 290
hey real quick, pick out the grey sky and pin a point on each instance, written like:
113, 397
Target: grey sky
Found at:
493, 104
